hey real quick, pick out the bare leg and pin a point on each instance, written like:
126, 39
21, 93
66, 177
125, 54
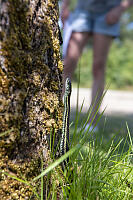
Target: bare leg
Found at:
100, 52
75, 47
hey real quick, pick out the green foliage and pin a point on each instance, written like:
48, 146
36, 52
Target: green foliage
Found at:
126, 19
72, 4
119, 66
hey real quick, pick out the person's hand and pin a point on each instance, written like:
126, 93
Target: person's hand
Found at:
113, 16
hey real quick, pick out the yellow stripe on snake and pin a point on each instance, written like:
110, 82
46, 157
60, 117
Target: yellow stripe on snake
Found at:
64, 144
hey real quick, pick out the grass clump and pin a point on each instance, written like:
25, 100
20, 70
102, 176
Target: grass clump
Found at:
98, 173
93, 172
102, 175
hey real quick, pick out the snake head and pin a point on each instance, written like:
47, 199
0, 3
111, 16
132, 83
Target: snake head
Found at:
68, 87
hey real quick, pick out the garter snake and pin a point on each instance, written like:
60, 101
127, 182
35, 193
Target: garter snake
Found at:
64, 144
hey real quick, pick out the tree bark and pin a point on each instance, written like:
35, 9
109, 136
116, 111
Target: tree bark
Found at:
30, 91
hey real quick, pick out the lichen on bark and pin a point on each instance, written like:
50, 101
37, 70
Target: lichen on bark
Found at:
30, 90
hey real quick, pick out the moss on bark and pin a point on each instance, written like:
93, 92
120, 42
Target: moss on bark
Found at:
30, 91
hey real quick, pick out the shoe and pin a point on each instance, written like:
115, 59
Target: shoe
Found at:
91, 128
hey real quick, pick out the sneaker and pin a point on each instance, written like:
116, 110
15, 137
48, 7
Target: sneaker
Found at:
92, 128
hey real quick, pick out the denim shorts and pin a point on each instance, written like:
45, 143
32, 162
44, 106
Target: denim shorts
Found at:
84, 21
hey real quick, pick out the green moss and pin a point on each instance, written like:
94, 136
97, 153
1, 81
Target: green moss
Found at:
27, 77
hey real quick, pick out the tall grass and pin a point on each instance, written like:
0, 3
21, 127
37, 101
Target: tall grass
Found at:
92, 173
98, 174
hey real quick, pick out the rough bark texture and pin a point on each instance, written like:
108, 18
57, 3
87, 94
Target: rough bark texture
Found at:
30, 91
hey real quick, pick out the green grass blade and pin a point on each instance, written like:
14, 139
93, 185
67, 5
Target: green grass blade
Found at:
42, 182
22, 181
15, 178
6, 132
57, 162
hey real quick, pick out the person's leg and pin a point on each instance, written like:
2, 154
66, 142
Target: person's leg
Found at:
101, 45
76, 44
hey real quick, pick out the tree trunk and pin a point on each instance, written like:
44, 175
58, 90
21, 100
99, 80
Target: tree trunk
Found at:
30, 91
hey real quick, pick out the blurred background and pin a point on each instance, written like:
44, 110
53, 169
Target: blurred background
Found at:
119, 73
119, 79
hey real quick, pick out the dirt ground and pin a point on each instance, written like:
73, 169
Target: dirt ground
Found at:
115, 102
118, 112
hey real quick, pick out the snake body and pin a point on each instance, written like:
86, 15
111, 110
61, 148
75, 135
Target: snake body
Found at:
64, 144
